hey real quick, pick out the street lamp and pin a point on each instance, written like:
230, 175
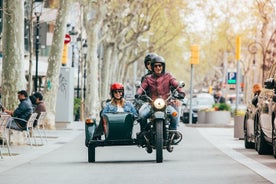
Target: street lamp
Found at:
73, 33
79, 46
84, 50
253, 49
38, 5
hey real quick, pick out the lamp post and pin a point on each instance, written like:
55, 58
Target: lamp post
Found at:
84, 50
73, 33
79, 47
253, 49
38, 5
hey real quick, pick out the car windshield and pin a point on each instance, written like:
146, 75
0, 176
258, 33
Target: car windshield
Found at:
202, 101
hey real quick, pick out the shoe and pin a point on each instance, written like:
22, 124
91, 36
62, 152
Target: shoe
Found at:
140, 135
149, 149
176, 136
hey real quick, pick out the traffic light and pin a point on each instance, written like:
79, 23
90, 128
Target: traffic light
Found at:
64, 55
194, 54
238, 48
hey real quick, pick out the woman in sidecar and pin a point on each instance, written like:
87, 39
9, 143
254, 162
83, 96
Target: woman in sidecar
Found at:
116, 105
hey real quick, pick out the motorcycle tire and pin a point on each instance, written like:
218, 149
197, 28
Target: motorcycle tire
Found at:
159, 141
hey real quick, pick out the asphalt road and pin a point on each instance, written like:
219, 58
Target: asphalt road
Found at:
195, 160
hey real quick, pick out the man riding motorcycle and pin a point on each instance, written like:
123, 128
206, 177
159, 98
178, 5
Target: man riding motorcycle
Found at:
159, 84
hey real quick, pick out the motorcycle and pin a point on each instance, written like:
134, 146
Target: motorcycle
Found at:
119, 128
157, 134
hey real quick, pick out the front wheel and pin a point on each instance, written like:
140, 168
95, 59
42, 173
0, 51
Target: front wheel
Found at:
159, 141
260, 143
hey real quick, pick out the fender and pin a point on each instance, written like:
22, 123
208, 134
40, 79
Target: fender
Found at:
158, 115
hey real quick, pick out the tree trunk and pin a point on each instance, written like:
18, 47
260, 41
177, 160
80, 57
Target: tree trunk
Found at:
52, 84
108, 64
13, 74
92, 98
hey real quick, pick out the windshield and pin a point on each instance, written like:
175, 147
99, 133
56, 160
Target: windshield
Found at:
202, 101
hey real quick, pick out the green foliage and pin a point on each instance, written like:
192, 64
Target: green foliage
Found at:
222, 107
77, 103
239, 112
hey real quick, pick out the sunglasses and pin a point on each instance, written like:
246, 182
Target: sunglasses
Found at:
155, 66
118, 91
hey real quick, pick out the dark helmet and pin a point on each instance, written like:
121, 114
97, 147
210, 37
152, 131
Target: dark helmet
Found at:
116, 86
158, 59
148, 58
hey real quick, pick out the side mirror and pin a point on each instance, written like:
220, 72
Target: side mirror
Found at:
181, 84
269, 83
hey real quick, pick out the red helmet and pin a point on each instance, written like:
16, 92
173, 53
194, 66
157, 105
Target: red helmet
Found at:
116, 86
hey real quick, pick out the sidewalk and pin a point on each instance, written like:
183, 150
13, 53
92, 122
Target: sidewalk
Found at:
223, 139
24, 153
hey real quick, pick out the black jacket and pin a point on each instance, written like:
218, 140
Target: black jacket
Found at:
23, 111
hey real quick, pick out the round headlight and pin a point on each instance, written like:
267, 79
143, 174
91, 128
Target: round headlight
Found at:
159, 103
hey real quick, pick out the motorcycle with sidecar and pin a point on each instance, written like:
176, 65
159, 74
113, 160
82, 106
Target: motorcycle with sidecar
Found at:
119, 130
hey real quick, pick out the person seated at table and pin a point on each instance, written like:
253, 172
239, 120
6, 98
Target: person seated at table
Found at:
23, 111
39, 105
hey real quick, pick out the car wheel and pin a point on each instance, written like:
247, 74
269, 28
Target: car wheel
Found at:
247, 144
274, 147
184, 118
274, 142
261, 145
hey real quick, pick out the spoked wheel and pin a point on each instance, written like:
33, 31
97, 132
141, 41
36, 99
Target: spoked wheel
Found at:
159, 141
247, 144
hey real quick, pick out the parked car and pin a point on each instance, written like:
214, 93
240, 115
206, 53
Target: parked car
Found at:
199, 101
265, 122
248, 126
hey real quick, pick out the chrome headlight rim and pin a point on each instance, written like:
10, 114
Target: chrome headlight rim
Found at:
159, 104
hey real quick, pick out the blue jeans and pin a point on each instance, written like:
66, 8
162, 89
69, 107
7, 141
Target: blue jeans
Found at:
145, 112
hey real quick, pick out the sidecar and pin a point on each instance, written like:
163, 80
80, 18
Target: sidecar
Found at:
118, 132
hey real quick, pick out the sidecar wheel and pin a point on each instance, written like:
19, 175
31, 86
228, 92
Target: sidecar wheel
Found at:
91, 153
159, 141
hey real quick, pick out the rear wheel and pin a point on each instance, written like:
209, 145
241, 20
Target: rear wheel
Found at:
91, 153
159, 141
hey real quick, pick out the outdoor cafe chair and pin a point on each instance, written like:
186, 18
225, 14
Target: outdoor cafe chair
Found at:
41, 126
4, 118
29, 127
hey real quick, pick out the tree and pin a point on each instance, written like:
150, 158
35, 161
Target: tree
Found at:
13, 76
93, 19
54, 63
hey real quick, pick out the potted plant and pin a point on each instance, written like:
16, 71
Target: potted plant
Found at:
219, 114
238, 123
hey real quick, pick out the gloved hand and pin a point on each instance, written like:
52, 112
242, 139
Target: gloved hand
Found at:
181, 95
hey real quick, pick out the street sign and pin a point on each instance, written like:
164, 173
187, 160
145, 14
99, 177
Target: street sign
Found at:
232, 77
67, 39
